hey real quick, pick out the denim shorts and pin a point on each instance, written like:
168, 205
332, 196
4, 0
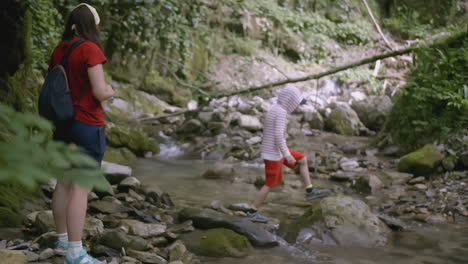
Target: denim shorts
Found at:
92, 139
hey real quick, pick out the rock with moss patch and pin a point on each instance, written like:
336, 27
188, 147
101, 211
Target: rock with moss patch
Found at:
344, 120
45, 221
8, 218
422, 162
118, 240
219, 242
347, 221
373, 111
119, 155
134, 139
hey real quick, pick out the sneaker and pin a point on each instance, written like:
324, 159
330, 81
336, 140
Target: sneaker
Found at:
317, 194
61, 248
84, 258
257, 217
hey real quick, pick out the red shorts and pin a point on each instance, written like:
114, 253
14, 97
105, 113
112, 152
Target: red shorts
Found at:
274, 169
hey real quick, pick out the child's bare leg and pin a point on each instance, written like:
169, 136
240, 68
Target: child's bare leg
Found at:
304, 170
261, 196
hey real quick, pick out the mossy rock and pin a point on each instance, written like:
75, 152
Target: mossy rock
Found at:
134, 139
344, 120
219, 242
421, 162
165, 89
346, 220
8, 218
119, 155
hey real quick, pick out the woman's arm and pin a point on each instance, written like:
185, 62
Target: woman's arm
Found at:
101, 90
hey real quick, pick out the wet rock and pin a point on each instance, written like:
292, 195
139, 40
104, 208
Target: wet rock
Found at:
435, 219
177, 251
219, 171
117, 240
344, 120
103, 251
394, 223
348, 221
244, 207
312, 117
32, 257
115, 173
219, 242
417, 180
192, 126
129, 183
44, 222
13, 256
373, 111
132, 138
369, 183
348, 164
207, 218
249, 122
343, 176
108, 207
146, 257
421, 162
46, 254
397, 178
93, 227
420, 186
140, 229
184, 227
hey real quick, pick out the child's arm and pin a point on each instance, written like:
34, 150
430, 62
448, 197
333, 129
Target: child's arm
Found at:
280, 130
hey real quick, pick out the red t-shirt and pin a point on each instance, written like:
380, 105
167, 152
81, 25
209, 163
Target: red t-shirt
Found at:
87, 108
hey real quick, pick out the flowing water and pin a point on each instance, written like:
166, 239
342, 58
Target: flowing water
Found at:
424, 244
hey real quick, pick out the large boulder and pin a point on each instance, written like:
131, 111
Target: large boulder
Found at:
192, 126
132, 138
422, 162
207, 218
44, 222
13, 256
312, 117
115, 173
344, 220
219, 242
373, 111
344, 120
93, 227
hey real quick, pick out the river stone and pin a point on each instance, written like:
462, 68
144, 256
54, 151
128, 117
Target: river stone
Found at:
129, 260
129, 182
46, 254
373, 111
32, 257
343, 120
132, 138
45, 222
146, 257
249, 122
117, 240
207, 218
140, 229
348, 164
93, 227
115, 173
368, 183
419, 179
347, 220
397, 178
219, 242
192, 126
219, 171
205, 117
108, 207
177, 251
119, 155
422, 162
312, 117
13, 256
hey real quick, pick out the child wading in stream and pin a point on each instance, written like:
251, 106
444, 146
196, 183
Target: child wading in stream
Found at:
276, 153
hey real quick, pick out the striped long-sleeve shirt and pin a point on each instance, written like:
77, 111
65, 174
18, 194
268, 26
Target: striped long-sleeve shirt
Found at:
274, 145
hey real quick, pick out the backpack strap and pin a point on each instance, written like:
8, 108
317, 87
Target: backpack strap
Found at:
69, 51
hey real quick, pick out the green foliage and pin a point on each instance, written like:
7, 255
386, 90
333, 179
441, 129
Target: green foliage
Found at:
242, 46
405, 24
434, 102
28, 157
361, 75
134, 139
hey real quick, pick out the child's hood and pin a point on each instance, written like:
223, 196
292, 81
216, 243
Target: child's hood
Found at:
289, 98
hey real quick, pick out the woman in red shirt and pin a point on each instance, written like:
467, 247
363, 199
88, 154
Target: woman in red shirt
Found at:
88, 89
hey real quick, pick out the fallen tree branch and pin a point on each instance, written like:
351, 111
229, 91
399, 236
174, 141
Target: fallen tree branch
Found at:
377, 25
166, 115
320, 75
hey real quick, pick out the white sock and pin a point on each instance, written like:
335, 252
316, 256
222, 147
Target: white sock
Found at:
63, 237
74, 248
